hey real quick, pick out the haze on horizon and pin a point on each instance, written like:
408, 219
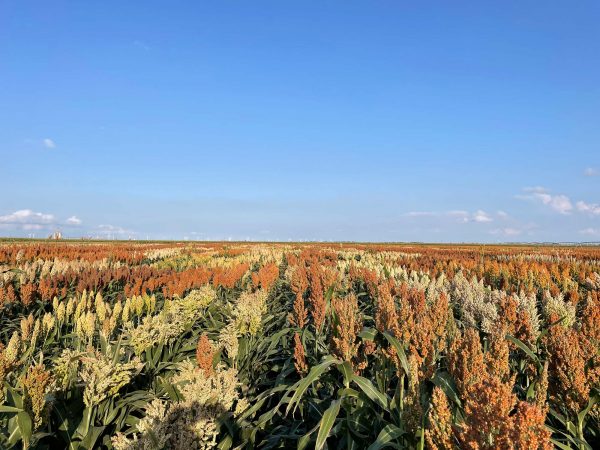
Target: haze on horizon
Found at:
386, 121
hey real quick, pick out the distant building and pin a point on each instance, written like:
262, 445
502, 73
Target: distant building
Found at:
55, 236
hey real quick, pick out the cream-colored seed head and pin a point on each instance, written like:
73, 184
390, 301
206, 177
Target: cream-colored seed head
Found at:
36, 332
69, 309
11, 353
26, 327
48, 322
61, 312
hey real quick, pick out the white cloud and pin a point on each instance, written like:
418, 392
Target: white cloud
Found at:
590, 231
516, 229
458, 215
114, 230
506, 231
111, 228
26, 219
591, 208
481, 217
73, 220
502, 214
538, 189
591, 172
559, 203
49, 143
420, 214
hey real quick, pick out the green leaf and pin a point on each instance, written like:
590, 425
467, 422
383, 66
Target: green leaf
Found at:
301, 386
526, 350
84, 425
260, 400
560, 445
346, 370
92, 437
368, 334
9, 409
226, 443
386, 436
326, 423
371, 391
348, 392
400, 350
446, 384
558, 416
304, 441
593, 400
25, 427
15, 432
15, 398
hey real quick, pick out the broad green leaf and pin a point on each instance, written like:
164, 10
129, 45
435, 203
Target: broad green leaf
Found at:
346, 369
25, 427
92, 437
15, 432
399, 347
385, 437
225, 443
368, 334
326, 423
560, 445
9, 409
371, 391
84, 425
525, 349
593, 400
301, 386
348, 392
305, 440
446, 384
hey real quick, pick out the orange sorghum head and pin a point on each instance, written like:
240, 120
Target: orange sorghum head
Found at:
346, 327
299, 356
438, 434
35, 382
205, 353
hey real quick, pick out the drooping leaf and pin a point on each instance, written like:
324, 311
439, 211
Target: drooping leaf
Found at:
327, 422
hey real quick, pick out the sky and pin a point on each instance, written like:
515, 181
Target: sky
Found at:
300, 120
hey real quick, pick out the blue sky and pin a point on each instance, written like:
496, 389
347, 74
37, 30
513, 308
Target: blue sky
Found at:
373, 121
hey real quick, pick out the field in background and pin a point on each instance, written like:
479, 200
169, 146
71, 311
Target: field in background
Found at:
239, 345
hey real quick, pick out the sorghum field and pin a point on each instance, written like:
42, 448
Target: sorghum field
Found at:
238, 345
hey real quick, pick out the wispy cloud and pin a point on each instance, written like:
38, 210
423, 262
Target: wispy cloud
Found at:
508, 231
590, 231
142, 45
559, 203
73, 220
460, 216
515, 229
26, 219
590, 208
49, 143
591, 172
113, 230
420, 214
482, 217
